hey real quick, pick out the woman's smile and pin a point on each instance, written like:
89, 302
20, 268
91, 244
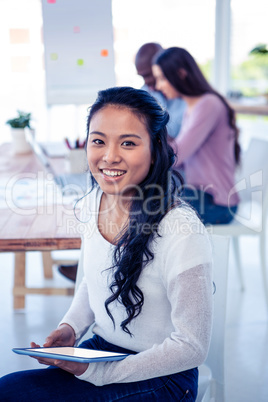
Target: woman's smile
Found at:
111, 173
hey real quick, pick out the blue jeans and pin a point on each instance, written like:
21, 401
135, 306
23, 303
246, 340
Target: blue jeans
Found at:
53, 384
207, 210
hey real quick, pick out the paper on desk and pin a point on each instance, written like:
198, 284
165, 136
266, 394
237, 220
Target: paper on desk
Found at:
27, 192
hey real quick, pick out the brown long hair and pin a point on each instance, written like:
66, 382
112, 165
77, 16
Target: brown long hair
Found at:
194, 83
133, 250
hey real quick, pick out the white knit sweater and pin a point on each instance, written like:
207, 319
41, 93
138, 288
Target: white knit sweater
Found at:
172, 332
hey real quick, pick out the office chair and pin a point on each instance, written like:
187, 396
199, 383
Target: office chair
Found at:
251, 217
211, 373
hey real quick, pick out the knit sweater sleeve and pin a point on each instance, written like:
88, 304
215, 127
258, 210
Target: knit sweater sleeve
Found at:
189, 292
184, 349
198, 126
79, 316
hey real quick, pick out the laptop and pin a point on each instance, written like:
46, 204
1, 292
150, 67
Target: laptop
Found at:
54, 149
69, 183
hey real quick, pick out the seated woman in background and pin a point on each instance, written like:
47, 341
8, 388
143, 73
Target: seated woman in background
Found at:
208, 142
147, 286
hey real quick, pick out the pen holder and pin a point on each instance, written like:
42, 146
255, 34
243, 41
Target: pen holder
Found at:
77, 160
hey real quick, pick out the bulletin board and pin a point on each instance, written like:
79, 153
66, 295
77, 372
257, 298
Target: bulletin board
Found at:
78, 45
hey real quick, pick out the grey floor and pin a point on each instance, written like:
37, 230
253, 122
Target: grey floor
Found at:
246, 335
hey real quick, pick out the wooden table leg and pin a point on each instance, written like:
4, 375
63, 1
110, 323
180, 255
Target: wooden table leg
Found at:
47, 264
19, 280
20, 290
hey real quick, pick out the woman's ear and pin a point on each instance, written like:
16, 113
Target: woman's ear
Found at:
182, 73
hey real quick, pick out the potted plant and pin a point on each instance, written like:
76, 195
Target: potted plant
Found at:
18, 125
260, 52
261, 49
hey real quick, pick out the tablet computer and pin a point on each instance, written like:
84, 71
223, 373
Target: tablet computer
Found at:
72, 354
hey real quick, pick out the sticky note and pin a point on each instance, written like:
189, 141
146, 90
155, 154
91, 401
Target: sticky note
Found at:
80, 62
19, 36
76, 29
53, 56
104, 53
20, 64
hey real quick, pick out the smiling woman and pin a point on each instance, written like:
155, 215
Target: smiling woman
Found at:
147, 287
208, 144
118, 141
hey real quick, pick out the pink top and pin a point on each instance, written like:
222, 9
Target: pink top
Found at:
205, 146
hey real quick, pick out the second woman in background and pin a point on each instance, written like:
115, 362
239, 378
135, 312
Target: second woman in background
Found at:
208, 142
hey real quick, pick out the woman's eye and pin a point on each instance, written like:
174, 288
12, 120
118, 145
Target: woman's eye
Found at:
98, 141
128, 144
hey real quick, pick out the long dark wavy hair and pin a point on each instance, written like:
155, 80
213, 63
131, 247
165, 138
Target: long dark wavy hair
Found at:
132, 252
172, 62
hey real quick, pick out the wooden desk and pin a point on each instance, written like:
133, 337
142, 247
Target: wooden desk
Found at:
45, 228
261, 110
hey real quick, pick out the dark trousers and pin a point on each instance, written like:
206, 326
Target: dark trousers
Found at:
207, 210
53, 384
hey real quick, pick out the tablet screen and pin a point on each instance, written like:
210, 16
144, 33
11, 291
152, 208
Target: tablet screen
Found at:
71, 353
76, 352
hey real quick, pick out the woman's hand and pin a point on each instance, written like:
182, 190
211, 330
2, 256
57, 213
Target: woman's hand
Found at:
64, 335
75, 368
